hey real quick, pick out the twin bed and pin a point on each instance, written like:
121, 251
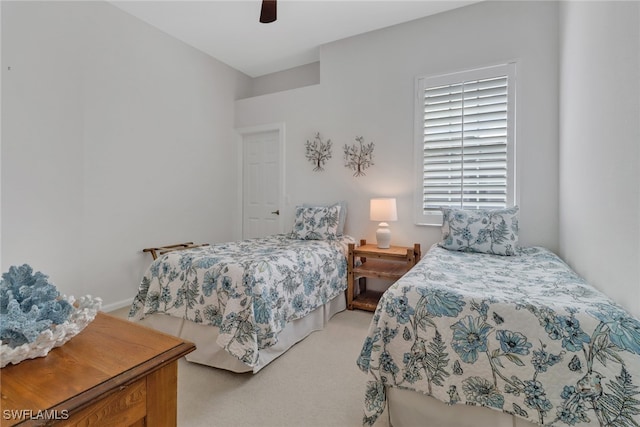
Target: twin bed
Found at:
245, 303
506, 328
479, 323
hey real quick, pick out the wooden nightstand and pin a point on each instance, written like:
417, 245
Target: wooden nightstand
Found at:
390, 264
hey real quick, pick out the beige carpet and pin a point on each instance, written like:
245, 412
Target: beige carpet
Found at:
314, 384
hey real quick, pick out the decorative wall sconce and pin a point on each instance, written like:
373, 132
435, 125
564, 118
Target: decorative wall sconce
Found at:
318, 152
359, 157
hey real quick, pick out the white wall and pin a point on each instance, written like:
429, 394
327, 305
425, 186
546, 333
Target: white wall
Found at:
1, 68
600, 146
115, 137
304, 75
367, 89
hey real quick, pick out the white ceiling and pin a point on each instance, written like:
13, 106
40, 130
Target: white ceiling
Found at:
230, 32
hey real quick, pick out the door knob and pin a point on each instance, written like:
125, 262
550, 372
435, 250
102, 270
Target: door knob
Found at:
277, 212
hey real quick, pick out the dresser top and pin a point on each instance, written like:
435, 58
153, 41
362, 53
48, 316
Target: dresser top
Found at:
108, 353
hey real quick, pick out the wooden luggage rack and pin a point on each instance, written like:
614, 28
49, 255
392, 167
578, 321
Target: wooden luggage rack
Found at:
161, 250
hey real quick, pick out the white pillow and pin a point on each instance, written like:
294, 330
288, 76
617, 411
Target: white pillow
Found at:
480, 230
343, 214
316, 223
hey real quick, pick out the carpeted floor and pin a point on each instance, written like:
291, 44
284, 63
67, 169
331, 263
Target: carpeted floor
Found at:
314, 384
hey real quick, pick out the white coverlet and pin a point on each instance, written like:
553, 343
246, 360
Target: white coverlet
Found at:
248, 290
521, 334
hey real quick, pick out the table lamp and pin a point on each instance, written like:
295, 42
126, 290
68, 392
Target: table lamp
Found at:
383, 210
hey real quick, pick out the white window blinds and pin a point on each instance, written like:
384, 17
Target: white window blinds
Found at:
465, 141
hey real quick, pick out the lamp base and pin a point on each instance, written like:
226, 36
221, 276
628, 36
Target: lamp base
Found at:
383, 236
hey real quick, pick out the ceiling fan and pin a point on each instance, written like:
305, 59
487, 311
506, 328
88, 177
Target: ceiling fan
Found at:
269, 11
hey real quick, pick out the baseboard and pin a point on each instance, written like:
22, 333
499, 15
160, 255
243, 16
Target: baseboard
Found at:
116, 305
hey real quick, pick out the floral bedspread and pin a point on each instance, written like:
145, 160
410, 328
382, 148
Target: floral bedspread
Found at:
520, 334
249, 289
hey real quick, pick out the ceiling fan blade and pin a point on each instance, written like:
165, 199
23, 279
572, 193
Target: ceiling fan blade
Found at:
269, 11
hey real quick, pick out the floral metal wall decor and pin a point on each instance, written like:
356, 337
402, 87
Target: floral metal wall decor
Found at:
318, 152
359, 157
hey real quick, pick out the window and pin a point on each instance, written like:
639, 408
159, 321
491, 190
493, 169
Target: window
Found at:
465, 147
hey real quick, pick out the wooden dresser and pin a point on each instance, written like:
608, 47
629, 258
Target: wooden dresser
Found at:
114, 373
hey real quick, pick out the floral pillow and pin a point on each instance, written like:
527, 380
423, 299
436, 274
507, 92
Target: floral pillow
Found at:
343, 214
316, 223
480, 230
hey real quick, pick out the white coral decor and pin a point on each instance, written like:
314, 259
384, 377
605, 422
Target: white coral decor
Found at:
83, 313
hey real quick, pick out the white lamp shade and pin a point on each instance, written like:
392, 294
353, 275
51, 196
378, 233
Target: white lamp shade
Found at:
383, 210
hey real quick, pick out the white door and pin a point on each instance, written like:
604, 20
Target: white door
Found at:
261, 182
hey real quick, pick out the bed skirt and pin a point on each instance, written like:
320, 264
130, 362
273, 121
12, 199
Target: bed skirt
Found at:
408, 408
211, 354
